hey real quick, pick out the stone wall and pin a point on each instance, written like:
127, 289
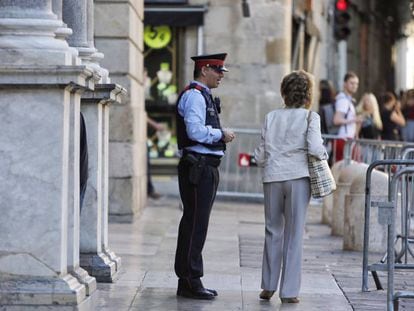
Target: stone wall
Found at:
258, 50
118, 34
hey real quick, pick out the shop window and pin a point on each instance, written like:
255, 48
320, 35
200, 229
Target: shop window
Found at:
162, 75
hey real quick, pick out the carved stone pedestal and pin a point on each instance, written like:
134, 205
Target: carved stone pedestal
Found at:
96, 257
39, 107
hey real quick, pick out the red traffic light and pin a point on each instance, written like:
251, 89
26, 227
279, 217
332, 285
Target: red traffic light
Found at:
341, 22
342, 5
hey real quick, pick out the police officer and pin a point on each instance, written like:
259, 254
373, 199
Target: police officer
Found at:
202, 142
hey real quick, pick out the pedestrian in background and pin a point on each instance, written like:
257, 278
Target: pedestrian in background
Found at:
83, 160
150, 186
326, 112
408, 112
345, 115
392, 117
371, 124
283, 152
326, 98
202, 141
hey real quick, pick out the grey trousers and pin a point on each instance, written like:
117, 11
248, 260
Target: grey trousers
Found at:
285, 204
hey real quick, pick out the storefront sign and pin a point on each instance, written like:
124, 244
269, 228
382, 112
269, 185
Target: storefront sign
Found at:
157, 37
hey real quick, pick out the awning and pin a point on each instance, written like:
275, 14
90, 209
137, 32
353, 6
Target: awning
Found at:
179, 16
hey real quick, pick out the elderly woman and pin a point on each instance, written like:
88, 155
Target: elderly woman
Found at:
289, 134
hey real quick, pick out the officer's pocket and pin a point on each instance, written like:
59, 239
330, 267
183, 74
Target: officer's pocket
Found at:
196, 171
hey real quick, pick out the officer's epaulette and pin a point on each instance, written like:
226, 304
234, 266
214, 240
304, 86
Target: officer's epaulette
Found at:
194, 86
190, 87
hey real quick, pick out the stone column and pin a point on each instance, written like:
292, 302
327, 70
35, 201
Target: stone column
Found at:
79, 15
74, 186
105, 186
39, 124
74, 14
36, 114
96, 57
96, 257
63, 32
27, 34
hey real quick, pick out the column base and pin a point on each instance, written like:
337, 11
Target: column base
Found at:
100, 266
113, 257
84, 278
44, 293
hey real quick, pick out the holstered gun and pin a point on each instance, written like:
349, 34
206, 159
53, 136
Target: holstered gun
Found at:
196, 168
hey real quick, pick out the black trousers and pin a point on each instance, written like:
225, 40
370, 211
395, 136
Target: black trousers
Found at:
197, 201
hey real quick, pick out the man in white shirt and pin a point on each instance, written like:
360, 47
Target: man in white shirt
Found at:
345, 115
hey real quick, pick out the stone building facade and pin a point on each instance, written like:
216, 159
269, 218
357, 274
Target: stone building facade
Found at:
118, 34
259, 55
62, 57
258, 50
264, 39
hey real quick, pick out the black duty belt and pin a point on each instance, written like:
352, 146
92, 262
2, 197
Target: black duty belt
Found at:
208, 159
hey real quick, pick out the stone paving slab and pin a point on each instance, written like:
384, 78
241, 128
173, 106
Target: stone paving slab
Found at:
232, 262
147, 280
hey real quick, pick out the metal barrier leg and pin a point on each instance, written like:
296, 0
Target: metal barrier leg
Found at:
377, 281
366, 231
396, 304
390, 266
386, 216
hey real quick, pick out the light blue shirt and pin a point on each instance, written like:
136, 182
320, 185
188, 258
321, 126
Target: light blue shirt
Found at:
192, 107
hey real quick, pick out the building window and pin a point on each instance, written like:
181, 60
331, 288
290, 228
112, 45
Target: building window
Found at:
166, 23
162, 75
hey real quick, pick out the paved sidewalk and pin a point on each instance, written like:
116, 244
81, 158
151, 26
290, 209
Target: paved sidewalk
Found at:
232, 264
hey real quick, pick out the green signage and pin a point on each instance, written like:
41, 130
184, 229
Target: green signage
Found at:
157, 37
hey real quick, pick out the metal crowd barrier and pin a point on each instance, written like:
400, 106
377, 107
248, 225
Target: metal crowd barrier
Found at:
237, 181
387, 215
370, 150
392, 157
245, 182
388, 211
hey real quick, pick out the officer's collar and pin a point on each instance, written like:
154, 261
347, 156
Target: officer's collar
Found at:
202, 84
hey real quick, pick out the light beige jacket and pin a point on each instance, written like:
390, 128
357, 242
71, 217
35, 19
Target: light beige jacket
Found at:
282, 151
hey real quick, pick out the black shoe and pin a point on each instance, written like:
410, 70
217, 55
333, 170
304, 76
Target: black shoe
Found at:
195, 293
289, 300
266, 294
213, 291
154, 195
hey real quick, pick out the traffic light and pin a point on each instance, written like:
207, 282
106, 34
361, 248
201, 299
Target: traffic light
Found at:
342, 18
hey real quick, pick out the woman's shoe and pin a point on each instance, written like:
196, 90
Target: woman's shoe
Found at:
266, 294
289, 300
